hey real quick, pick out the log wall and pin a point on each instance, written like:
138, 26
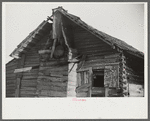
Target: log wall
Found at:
96, 51
28, 83
11, 78
52, 76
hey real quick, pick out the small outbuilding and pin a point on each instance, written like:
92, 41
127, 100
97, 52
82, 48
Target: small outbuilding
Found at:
65, 57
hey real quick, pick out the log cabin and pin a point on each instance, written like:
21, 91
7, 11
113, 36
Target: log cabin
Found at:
65, 57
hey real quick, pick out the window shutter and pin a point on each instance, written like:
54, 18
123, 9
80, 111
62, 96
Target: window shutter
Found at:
111, 78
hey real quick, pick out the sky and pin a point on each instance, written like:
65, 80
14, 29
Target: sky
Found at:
121, 20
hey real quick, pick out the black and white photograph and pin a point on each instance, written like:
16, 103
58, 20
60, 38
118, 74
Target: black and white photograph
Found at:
82, 53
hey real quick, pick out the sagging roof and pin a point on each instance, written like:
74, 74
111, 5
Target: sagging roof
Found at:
32, 38
103, 36
46, 26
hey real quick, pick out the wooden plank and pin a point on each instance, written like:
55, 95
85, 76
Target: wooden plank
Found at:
82, 78
90, 81
85, 79
53, 48
18, 88
79, 79
22, 69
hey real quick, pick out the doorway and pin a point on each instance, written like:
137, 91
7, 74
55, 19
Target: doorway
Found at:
98, 89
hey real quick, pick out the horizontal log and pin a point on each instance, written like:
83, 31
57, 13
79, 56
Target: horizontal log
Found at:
104, 51
82, 94
28, 95
13, 75
28, 89
48, 71
30, 74
102, 61
98, 64
59, 84
81, 44
11, 88
29, 80
65, 78
54, 68
93, 47
101, 54
10, 85
27, 62
13, 63
30, 77
11, 68
10, 95
53, 74
116, 55
24, 84
32, 55
31, 64
53, 93
52, 88
10, 82
11, 79
54, 63
112, 56
10, 71
27, 92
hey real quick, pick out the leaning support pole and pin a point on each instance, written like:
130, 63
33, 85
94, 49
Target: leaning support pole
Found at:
53, 47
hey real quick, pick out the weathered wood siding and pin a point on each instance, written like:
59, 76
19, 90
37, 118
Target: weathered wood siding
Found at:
11, 78
29, 80
53, 78
95, 49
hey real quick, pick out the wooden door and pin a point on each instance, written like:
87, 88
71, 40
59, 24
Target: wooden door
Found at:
84, 83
